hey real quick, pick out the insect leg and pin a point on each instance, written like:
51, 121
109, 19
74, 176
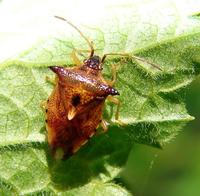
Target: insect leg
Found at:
104, 125
74, 57
43, 105
114, 76
118, 103
133, 57
51, 80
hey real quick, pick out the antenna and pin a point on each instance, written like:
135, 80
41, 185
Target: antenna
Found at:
86, 39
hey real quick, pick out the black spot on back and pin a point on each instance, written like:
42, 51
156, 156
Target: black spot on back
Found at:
76, 100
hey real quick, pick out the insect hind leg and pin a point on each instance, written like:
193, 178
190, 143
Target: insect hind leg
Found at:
104, 125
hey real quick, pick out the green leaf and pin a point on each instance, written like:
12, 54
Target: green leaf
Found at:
152, 100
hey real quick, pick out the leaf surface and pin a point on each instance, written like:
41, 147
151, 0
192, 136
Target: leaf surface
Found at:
152, 104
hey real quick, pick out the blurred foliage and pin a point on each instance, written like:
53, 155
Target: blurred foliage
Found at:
174, 170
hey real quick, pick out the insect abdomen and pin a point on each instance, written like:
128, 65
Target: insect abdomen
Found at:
69, 135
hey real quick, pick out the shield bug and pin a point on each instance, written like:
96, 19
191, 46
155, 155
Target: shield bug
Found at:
74, 108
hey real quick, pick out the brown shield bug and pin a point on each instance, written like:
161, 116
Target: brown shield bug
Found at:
74, 108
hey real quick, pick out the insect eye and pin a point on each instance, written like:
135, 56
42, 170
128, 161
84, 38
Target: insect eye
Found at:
76, 100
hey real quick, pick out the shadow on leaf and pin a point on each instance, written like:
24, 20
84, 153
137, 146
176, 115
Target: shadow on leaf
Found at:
101, 157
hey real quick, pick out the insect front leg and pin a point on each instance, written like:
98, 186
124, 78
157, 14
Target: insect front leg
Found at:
43, 105
51, 80
114, 76
75, 58
118, 103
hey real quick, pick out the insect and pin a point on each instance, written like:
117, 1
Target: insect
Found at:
74, 108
